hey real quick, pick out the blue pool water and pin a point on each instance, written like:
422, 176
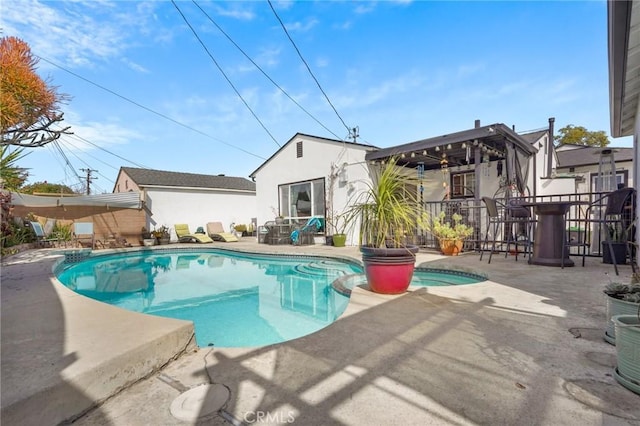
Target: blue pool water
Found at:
434, 277
234, 300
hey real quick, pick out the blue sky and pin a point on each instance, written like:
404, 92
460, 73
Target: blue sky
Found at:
398, 70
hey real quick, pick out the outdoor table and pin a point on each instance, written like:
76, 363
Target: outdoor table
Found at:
550, 230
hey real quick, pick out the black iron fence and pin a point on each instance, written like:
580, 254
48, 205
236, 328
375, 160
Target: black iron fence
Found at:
585, 229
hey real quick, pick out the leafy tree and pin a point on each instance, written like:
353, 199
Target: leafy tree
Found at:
13, 177
46, 188
29, 106
578, 135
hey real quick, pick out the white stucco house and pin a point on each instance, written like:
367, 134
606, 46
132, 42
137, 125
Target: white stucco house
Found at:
194, 199
310, 176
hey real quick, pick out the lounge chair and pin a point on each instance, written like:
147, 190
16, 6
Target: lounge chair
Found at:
83, 234
42, 239
185, 236
216, 231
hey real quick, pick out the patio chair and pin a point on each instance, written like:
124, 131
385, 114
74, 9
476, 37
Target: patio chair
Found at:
305, 233
185, 236
617, 220
83, 234
42, 239
513, 221
217, 233
277, 233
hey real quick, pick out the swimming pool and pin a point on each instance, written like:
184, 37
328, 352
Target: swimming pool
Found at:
234, 299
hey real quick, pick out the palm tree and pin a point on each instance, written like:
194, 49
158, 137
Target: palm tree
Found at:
12, 177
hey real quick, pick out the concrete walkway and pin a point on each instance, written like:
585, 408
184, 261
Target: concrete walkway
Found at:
524, 347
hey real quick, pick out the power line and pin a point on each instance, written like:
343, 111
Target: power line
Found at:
87, 164
307, 65
108, 152
262, 71
149, 109
223, 73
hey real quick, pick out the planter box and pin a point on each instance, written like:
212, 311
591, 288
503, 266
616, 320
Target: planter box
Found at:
627, 372
619, 253
617, 307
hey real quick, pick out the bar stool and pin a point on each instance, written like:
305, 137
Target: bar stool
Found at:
520, 218
510, 219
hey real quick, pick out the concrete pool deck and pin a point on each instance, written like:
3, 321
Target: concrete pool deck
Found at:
524, 347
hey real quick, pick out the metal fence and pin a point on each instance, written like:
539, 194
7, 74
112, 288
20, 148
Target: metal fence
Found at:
585, 233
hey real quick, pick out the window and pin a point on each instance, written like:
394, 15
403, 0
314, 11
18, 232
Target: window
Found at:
302, 200
622, 178
462, 184
299, 149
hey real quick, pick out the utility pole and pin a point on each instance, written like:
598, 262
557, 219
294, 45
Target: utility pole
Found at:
354, 134
89, 178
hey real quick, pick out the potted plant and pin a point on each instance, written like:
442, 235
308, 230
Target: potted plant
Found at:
450, 235
240, 229
148, 238
339, 238
162, 235
622, 299
618, 244
386, 211
627, 371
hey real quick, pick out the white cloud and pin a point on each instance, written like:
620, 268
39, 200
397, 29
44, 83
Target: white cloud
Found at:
236, 11
363, 8
134, 66
322, 62
300, 26
77, 34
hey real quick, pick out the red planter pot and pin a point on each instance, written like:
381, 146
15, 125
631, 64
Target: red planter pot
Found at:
389, 270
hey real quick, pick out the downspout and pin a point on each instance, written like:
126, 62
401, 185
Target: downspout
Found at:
477, 162
535, 177
550, 147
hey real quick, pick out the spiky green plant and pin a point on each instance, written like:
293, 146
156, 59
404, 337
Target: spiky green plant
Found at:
387, 210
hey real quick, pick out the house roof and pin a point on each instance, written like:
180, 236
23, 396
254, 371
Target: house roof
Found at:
494, 137
533, 137
316, 138
624, 62
589, 155
160, 178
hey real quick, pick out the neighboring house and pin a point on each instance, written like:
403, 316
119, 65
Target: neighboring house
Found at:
569, 169
624, 79
583, 163
194, 199
310, 176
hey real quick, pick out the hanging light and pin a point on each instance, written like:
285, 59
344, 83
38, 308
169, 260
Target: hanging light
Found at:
485, 161
424, 152
449, 146
464, 144
444, 164
402, 155
437, 148
420, 170
413, 155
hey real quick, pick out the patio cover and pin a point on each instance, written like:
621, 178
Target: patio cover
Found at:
122, 200
500, 141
